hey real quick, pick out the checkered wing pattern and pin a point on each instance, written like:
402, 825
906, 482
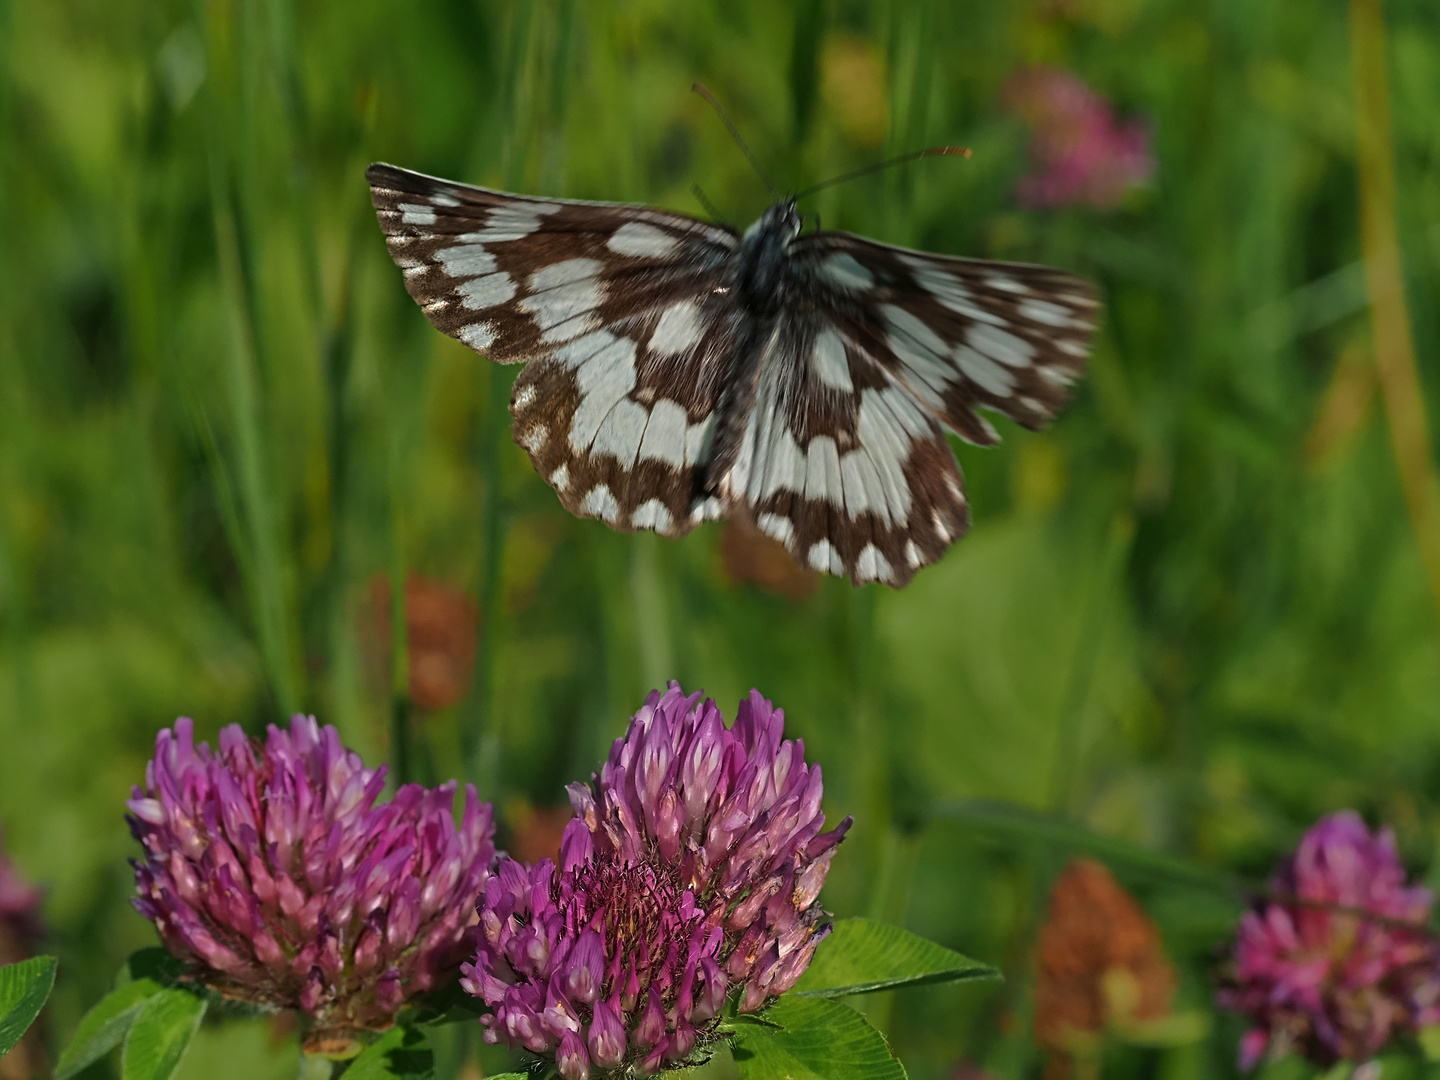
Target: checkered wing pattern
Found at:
843, 457
615, 310
677, 371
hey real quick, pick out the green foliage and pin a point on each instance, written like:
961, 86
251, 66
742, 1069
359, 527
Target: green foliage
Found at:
862, 956
160, 1034
107, 1022
24, 989
402, 1053
1189, 618
817, 1040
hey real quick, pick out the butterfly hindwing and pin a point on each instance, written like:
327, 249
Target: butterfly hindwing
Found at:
840, 463
621, 420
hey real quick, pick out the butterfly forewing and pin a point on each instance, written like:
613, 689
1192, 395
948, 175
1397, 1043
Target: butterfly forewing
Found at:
667, 383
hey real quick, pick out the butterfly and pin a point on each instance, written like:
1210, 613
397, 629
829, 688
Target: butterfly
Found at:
678, 371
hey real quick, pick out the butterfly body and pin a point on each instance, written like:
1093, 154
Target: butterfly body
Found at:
678, 371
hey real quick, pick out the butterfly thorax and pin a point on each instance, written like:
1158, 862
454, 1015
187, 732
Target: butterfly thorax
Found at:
763, 258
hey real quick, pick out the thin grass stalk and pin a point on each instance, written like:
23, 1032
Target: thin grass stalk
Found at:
652, 612
13, 615
254, 526
1095, 617
337, 354
402, 756
479, 736
1385, 283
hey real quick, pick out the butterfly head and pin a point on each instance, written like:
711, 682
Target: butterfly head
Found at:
781, 223
763, 256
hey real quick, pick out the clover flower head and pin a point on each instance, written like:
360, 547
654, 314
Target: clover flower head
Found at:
1082, 154
606, 964
736, 811
1336, 960
691, 871
269, 869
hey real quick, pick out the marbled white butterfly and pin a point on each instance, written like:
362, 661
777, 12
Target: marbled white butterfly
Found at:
678, 371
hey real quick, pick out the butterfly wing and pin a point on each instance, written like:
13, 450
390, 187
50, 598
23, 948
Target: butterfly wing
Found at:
843, 457
959, 334
620, 313
838, 461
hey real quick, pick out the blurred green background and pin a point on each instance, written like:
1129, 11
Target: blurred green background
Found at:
1190, 618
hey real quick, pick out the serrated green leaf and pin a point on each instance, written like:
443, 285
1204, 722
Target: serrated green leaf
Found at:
24, 988
819, 1040
862, 956
102, 1028
402, 1053
160, 1034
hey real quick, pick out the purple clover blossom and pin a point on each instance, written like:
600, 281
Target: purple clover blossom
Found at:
736, 811
1082, 154
20, 926
606, 964
269, 868
691, 870
1318, 977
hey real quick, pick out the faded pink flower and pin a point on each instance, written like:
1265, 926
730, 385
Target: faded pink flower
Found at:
1081, 154
20, 926
1313, 972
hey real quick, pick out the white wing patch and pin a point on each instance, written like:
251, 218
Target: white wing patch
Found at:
637, 240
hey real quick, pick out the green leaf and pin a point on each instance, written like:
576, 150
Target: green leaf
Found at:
402, 1053
862, 956
1429, 1038
160, 1034
821, 1040
732, 1024
24, 987
102, 1028
154, 964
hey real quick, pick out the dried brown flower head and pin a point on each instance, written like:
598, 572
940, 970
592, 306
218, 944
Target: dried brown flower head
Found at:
1100, 966
441, 627
751, 556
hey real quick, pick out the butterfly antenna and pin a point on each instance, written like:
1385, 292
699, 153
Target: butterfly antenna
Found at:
934, 151
704, 92
709, 206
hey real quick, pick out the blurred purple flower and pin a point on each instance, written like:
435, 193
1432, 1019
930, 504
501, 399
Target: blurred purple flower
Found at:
692, 868
1314, 974
1081, 153
20, 926
270, 869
